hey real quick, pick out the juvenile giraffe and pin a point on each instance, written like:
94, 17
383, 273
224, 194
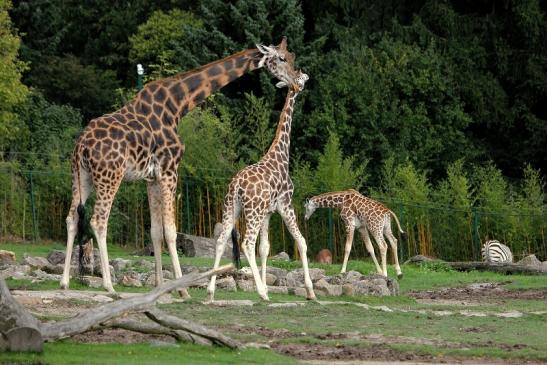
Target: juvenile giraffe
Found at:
140, 141
259, 190
365, 214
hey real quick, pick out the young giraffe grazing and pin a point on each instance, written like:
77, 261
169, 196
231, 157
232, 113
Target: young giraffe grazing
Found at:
259, 190
140, 141
361, 212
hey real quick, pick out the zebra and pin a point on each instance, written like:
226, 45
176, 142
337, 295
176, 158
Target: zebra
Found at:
494, 251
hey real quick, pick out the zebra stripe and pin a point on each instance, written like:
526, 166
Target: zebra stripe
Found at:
494, 251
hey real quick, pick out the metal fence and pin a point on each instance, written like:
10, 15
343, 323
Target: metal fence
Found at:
33, 206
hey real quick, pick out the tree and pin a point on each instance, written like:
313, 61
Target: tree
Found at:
12, 91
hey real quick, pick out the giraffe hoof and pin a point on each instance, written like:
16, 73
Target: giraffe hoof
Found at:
400, 276
64, 286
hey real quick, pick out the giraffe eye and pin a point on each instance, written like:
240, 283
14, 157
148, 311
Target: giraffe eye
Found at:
282, 59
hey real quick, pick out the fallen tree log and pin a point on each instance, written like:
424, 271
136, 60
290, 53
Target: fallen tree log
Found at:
19, 330
504, 268
18, 326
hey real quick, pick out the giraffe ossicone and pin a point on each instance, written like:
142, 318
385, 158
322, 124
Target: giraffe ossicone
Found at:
258, 191
365, 214
140, 141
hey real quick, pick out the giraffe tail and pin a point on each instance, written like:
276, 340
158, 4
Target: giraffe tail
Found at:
235, 250
404, 236
81, 238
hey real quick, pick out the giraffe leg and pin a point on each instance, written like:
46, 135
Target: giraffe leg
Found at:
264, 248
350, 228
156, 227
248, 247
227, 227
80, 190
370, 249
290, 221
168, 186
99, 223
379, 237
393, 243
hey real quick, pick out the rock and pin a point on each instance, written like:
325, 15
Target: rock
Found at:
375, 285
16, 272
35, 262
168, 275
56, 269
278, 289
128, 280
195, 246
530, 260
148, 265
323, 287
300, 292
120, 264
282, 256
227, 283
345, 278
188, 269
92, 281
7, 257
347, 289
56, 257
279, 273
295, 278
246, 285
42, 275
270, 278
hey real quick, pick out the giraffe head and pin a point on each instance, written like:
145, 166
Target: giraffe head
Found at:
310, 206
280, 62
300, 81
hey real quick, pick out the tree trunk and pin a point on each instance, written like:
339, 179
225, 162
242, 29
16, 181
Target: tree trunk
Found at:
20, 331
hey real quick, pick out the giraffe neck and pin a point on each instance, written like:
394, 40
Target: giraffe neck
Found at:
171, 98
330, 200
279, 149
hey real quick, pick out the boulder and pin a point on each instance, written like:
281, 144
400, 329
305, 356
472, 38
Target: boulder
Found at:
168, 275
120, 264
227, 283
130, 280
195, 246
377, 285
56, 257
7, 257
278, 289
246, 285
419, 259
92, 281
530, 260
146, 264
282, 256
16, 272
322, 287
36, 262
280, 275
295, 278
345, 278
42, 275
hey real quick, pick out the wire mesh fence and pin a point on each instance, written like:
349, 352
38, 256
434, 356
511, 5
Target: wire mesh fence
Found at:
34, 204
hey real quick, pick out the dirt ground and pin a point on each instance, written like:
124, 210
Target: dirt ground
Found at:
483, 293
371, 351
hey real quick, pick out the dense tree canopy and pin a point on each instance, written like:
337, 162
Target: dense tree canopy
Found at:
412, 101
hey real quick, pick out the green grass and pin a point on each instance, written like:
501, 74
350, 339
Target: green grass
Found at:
488, 337
66, 352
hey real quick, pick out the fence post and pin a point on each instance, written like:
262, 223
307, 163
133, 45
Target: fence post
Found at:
187, 204
33, 207
476, 237
330, 232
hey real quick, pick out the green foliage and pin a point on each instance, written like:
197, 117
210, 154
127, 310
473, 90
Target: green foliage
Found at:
257, 130
435, 266
207, 155
12, 91
334, 172
160, 38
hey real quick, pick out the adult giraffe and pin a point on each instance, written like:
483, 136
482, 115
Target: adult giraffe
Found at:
259, 190
365, 214
140, 141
